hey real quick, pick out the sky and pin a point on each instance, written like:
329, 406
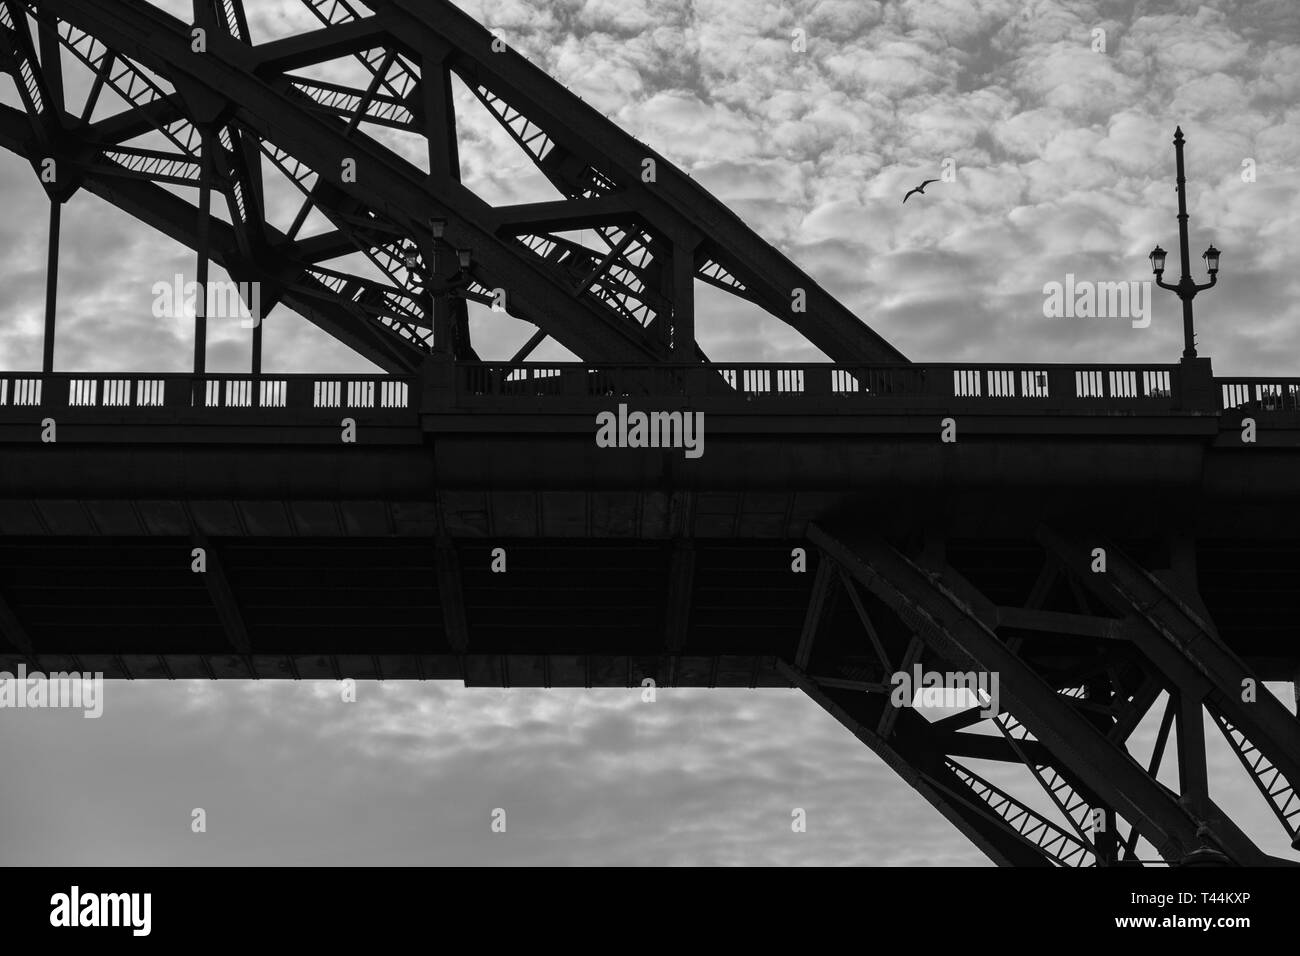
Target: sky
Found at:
1060, 138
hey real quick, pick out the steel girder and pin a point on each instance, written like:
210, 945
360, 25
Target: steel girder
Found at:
223, 117
1185, 646
1075, 683
1007, 831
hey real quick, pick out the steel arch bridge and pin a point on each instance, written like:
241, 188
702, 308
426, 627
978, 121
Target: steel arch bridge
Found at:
829, 541
221, 117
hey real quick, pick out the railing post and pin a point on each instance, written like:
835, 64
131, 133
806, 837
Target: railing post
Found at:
1061, 385
298, 392
1195, 386
176, 391
817, 380
696, 381
54, 391
438, 381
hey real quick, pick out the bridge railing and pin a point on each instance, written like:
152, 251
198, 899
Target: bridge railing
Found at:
1260, 394
178, 390
1147, 388
1154, 387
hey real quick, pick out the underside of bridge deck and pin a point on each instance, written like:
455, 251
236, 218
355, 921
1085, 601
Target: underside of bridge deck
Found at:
1092, 545
1079, 656
371, 600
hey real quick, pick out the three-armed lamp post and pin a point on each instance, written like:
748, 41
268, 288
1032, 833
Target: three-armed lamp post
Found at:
1185, 288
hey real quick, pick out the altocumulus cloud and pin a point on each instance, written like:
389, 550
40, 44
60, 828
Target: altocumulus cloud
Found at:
290, 773
1064, 165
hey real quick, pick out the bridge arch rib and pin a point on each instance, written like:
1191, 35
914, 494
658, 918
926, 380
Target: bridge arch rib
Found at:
238, 111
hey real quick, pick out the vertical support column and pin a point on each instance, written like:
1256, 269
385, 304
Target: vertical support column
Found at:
1193, 778
441, 304
51, 286
52, 75
205, 214
439, 118
1106, 842
684, 300
51, 60
444, 167
257, 347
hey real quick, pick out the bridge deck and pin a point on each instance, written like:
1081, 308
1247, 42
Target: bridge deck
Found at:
1026, 389
331, 551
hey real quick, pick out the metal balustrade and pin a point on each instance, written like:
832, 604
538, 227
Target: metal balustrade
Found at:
123, 391
759, 385
20, 391
1260, 394
1136, 385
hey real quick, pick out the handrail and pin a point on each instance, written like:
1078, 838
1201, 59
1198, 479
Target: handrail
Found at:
760, 385
1259, 394
760, 380
215, 390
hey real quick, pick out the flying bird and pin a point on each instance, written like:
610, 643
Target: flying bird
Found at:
919, 189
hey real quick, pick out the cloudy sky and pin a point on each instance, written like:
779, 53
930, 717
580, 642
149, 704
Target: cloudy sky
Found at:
1063, 165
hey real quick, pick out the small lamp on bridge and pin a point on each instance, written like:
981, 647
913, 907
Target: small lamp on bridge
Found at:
437, 227
409, 257
1158, 260
463, 257
1211, 257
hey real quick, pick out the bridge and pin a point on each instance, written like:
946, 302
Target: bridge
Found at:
1104, 539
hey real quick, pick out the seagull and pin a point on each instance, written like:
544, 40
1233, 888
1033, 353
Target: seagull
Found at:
919, 189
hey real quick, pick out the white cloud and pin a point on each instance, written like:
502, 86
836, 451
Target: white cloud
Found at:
1064, 164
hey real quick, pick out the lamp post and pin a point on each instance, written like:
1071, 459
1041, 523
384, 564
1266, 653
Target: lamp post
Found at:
1185, 288
440, 290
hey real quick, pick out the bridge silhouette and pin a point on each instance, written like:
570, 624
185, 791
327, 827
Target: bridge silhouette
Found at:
1102, 538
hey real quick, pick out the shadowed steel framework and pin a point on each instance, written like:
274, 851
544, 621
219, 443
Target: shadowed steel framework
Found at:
829, 537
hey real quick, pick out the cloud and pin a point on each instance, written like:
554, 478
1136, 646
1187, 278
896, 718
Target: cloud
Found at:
1063, 164
411, 773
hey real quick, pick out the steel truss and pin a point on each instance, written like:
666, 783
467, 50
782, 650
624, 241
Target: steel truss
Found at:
1080, 664
1081, 660
220, 119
